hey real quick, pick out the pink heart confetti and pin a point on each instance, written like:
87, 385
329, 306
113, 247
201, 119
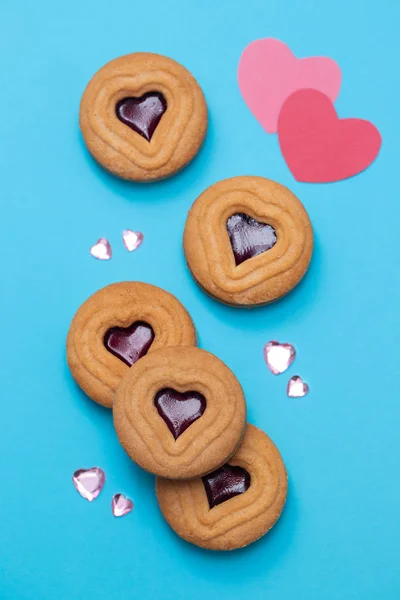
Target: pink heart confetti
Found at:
278, 356
101, 250
89, 482
121, 505
132, 239
296, 387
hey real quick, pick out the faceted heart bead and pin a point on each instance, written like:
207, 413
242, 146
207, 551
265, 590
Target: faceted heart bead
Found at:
225, 483
121, 505
132, 239
129, 343
142, 114
101, 249
89, 482
296, 387
178, 410
249, 237
278, 356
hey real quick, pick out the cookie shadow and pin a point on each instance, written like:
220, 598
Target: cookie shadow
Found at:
219, 565
157, 191
99, 413
292, 307
138, 478
102, 420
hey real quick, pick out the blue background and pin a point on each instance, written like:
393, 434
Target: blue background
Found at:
339, 535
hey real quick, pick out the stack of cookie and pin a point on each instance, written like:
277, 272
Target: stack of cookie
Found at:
179, 412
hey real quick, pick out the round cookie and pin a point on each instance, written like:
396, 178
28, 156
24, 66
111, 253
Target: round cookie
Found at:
143, 117
248, 241
116, 327
235, 505
179, 412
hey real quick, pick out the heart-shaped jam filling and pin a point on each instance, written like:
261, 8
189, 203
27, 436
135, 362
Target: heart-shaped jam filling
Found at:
129, 343
249, 237
178, 410
225, 483
142, 114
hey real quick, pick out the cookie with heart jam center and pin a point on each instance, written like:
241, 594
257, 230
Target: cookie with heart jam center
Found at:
143, 116
179, 412
248, 241
233, 506
116, 327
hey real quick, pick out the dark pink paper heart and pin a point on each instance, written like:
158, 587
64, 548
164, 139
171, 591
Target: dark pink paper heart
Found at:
318, 146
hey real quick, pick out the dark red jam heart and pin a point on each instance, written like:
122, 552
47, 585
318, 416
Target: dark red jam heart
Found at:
129, 343
178, 410
142, 114
225, 483
249, 237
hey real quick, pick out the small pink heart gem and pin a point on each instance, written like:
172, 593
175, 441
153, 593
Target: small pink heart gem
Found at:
121, 505
278, 356
132, 239
296, 387
89, 482
101, 250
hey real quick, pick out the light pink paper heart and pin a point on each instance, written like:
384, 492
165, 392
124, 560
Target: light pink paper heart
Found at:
89, 482
278, 356
121, 505
269, 72
101, 250
296, 387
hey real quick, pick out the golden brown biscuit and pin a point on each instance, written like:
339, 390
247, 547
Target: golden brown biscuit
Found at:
233, 506
248, 241
118, 325
179, 412
143, 116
